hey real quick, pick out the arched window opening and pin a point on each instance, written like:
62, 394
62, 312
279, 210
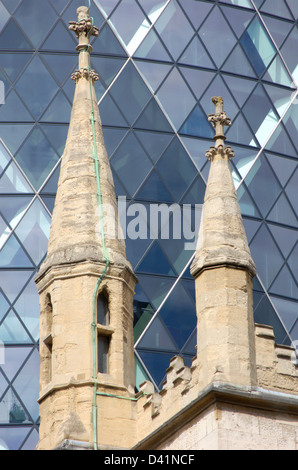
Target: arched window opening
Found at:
103, 314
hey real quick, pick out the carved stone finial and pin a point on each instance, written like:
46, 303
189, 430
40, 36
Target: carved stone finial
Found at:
84, 26
219, 120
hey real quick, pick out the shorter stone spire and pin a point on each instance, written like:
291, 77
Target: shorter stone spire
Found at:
222, 239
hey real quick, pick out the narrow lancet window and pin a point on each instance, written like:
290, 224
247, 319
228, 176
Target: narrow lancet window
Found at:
103, 316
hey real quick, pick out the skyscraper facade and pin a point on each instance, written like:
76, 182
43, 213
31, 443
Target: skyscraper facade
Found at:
159, 64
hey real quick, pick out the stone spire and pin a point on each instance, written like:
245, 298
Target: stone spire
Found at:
222, 239
223, 270
85, 284
85, 206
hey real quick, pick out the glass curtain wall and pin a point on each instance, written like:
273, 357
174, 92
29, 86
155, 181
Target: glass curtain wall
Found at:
159, 62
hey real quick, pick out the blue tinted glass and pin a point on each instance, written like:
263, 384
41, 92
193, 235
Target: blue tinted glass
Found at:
158, 337
27, 384
12, 38
13, 64
265, 314
152, 48
153, 118
12, 437
107, 43
284, 284
287, 309
12, 331
155, 262
197, 125
155, 287
12, 181
13, 255
14, 110
156, 363
34, 20
60, 39
154, 190
13, 135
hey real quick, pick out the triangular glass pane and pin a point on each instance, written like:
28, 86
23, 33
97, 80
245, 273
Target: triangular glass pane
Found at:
197, 149
14, 134
282, 212
180, 326
241, 3
157, 337
131, 163
174, 29
12, 331
282, 166
198, 80
108, 44
277, 73
140, 373
37, 158
196, 12
61, 65
266, 255
49, 202
284, 284
33, 231
196, 54
107, 67
197, 125
57, 135
11, 38
110, 114
240, 133
176, 252
246, 203
291, 190
112, 138
5, 157
287, 310
4, 306
190, 347
287, 52
12, 282
156, 363
292, 4
280, 142
59, 110
277, 8
293, 261
266, 315
14, 358
60, 40
14, 110
278, 29
154, 143
12, 181
27, 384
240, 88
52, 183
136, 94
11, 4
196, 193
12, 411
32, 441
154, 190
209, 35
152, 118
175, 86
14, 63
155, 287
284, 237
152, 48
36, 86
106, 6
59, 5
155, 262
239, 19
135, 249
182, 172
27, 306
251, 226
13, 256
34, 20
13, 209
232, 63
12, 437
153, 73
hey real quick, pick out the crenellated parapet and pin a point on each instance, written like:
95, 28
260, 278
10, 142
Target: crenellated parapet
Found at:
183, 399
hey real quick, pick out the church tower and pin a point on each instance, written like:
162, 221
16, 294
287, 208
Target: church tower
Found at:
86, 287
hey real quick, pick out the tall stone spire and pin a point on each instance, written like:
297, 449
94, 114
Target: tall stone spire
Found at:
223, 270
86, 284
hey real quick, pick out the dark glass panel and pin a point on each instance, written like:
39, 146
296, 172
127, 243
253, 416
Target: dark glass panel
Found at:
232, 63
238, 18
107, 67
14, 63
59, 110
198, 80
34, 20
12, 437
154, 143
61, 65
13, 255
110, 113
284, 237
266, 256
196, 54
155, 262
291, 189
12, 282
60, 39
209, 35
196, 11
174, 86
130, 23
197, 125
36, 86
278, 29
152, 48
107, 43
293, 261
280, 142
103, 354
176, 252
284, 284
131, 163
197, 149
136, 92
135, 249
182, 172
28, 309
156, 363
266, 315
112, 138
143, 312
27, 384
103, 316
251, 226
158, 337
179, 315
154, 190
33, 231
12, 38
49, 201
59, 5
14, 134
153, 118
57, 135
140, 373
174, 29
277, 8
11, 4
240, 88
37, 158
282, 212
107, 5
154, 73
51, 186
155, 287
14, 110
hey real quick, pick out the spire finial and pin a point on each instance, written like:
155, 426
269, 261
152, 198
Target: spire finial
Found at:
219, 120
83, 29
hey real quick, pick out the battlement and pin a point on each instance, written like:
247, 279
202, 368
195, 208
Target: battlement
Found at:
182, 398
